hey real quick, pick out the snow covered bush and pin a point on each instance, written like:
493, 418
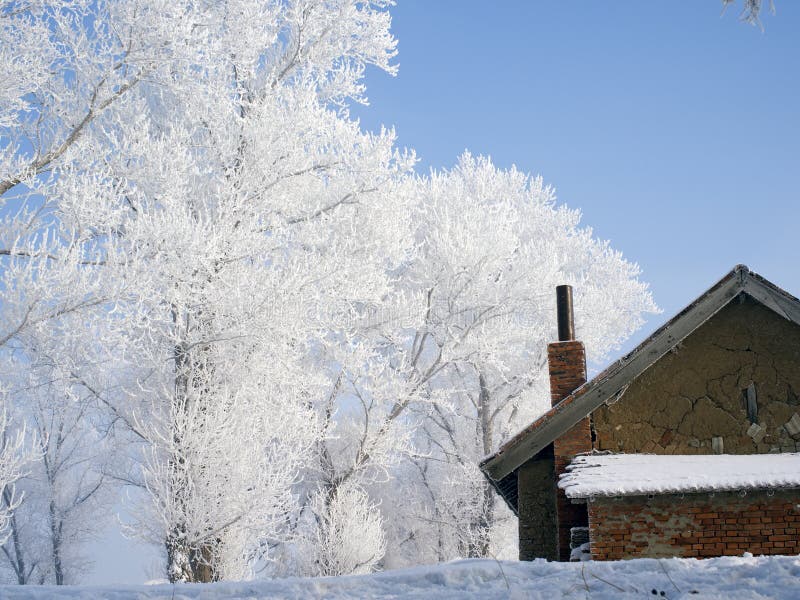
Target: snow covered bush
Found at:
348, 535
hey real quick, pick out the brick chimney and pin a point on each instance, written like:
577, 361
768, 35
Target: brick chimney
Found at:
566, 360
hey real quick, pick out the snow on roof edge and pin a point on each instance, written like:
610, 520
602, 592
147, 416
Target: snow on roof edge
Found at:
609, 475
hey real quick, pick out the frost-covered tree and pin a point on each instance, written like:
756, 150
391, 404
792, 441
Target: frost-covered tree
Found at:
14, 458
51, 368
65, 490
196, 164
492, 246
306, 347
53, 86
363, 439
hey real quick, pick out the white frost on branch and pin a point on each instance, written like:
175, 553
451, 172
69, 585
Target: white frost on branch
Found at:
492, 246
751, 10
349, 534
14, 458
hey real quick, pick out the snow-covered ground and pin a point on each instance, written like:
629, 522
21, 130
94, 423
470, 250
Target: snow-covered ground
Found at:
748, 577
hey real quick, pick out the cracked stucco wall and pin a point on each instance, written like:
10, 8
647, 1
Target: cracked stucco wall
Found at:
698, 392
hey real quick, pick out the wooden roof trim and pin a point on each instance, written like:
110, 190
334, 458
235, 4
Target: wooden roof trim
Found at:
773, 297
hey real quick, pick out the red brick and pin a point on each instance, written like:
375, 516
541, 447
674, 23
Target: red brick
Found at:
567, 369
724, 524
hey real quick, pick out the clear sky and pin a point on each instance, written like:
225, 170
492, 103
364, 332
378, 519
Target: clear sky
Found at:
676, 131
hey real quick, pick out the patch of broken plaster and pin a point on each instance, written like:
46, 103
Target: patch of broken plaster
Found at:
698, 393
657, 533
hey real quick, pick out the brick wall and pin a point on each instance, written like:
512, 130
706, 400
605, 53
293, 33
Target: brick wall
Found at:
695, 525
567, 369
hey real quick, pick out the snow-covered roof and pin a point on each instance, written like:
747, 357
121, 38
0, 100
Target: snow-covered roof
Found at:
641, 474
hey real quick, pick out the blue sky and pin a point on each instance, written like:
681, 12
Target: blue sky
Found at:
676, 131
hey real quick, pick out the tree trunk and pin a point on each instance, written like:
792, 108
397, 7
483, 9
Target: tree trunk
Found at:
18, 562
55, 535
186, 562
479, 548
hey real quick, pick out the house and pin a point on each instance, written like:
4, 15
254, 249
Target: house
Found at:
687, 446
